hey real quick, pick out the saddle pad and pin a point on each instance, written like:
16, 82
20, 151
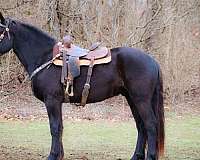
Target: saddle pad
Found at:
86, 62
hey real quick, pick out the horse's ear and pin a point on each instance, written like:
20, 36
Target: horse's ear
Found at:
2, 18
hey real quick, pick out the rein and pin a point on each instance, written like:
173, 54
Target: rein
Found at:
6, 30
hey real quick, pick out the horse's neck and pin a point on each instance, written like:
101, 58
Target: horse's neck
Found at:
32, 46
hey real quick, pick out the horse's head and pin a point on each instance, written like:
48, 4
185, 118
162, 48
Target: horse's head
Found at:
6, 34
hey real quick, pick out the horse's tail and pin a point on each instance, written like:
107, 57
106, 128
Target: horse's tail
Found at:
158, 107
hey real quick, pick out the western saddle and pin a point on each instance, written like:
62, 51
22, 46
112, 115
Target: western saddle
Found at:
71, 57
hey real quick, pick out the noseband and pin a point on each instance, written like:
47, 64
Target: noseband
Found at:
6, 30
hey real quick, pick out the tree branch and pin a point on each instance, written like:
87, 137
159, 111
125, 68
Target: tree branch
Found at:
18, 5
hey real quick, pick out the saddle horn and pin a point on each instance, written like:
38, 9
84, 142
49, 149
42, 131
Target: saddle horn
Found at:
2, 18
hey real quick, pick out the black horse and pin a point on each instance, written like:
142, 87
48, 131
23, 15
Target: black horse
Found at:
131, 73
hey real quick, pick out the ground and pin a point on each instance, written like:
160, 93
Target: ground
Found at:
103, 130
102, 139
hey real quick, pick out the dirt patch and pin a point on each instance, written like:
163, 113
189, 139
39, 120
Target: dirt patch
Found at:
23, 105
20, 153
13, 153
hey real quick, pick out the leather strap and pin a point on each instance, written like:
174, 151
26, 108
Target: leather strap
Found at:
43, 66
6, 30
64, 76
86, 88
64, 68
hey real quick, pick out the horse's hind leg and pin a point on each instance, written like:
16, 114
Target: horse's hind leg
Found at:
54, 109
139, 153
144, 108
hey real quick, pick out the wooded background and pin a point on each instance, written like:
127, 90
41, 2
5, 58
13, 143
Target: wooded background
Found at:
169, 30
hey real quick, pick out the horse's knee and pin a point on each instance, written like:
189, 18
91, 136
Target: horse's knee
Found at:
56, 129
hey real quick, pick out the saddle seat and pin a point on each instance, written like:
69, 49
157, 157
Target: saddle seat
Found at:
76, 51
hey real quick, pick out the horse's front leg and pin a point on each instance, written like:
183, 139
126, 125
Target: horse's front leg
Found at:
54, 109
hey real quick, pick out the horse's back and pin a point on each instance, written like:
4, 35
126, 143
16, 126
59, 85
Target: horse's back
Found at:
134, 56
136, 59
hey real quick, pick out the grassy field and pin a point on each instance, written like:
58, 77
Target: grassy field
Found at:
96, 140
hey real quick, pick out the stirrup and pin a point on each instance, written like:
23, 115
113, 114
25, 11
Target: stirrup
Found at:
67, 89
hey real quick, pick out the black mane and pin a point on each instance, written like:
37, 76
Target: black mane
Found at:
37, 30
33, 46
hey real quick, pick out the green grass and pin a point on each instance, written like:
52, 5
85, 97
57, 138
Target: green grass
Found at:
183, 138
100, 139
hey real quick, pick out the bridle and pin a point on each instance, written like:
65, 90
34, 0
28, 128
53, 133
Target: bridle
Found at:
6, 30
6, 26
2, 35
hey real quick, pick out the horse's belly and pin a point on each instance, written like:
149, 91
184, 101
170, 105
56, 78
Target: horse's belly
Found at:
105, 83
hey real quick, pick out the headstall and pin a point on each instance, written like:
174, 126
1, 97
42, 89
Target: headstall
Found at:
6, 30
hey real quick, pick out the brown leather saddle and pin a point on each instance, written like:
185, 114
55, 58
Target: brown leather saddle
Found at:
71, 59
